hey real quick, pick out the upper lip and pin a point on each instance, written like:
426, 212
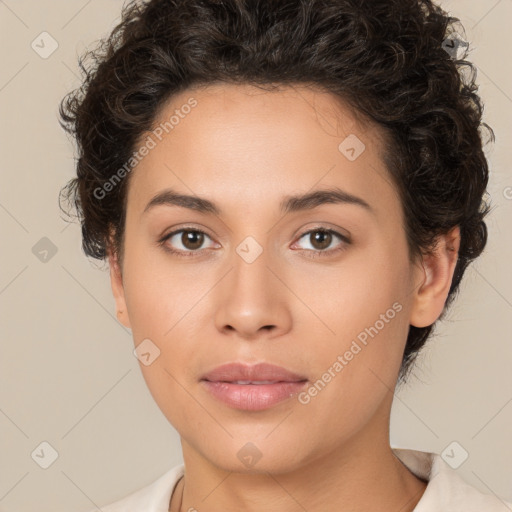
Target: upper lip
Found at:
257, 372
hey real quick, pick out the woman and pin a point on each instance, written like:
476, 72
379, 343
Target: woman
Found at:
288, 195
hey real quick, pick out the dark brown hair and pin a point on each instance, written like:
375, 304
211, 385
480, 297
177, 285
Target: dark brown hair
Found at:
387, 59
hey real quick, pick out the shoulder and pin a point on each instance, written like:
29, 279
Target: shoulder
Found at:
154, 497
446, 490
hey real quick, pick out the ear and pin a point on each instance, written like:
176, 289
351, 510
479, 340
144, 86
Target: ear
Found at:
116, 281
435, 275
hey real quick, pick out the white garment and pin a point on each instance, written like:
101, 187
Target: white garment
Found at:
446, 491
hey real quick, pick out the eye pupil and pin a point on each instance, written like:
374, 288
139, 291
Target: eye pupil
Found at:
192, 239
323, 237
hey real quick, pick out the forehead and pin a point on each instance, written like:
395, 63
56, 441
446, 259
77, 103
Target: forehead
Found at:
239, 108
244, 143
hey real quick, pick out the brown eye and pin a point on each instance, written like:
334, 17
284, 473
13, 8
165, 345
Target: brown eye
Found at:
320, 239
192, 239
186, 241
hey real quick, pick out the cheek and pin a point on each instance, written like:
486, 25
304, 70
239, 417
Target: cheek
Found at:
363, 306
356, 370
160, 295
350, 295
162, 311
161, 304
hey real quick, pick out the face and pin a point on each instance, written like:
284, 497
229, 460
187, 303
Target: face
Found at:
321, 286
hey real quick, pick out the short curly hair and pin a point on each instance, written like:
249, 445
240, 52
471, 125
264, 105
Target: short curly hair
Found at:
386, 59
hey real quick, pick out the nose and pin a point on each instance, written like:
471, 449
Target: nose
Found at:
251, 301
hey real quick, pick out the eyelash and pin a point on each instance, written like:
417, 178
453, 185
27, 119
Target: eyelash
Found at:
314, 253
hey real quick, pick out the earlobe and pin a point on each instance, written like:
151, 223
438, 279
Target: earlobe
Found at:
116, 282
434, 278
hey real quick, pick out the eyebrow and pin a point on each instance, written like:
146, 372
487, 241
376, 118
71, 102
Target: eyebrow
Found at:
317, 198
292, 203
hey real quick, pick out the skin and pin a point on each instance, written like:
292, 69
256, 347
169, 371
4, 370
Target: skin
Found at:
245, 150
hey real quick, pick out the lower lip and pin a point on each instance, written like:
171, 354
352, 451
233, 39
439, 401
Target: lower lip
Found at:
253, 397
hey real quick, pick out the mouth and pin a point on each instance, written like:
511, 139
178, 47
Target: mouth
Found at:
252, 387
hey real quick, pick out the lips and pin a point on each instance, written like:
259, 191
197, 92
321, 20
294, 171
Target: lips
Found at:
244, 374
252, 387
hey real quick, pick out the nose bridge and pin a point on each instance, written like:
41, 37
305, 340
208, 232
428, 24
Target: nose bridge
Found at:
250, 274
250, 297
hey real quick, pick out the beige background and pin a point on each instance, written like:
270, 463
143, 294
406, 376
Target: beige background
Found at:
67, 372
